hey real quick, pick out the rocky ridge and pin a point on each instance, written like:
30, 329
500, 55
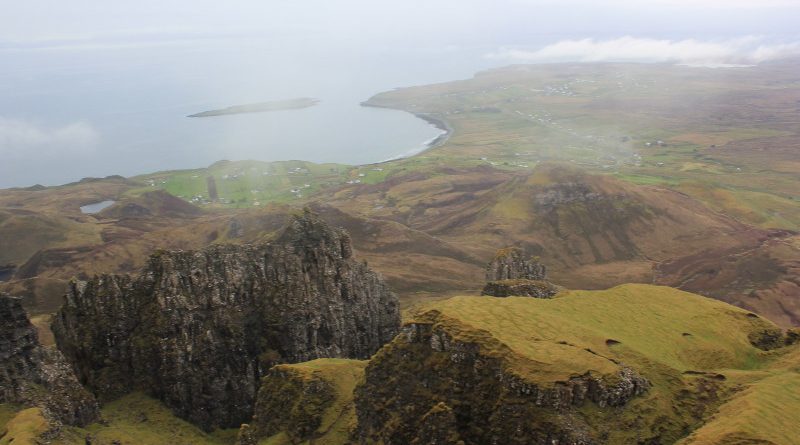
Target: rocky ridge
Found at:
33, 375
430, 384
198, 329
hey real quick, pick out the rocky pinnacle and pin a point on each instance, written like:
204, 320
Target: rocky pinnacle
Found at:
198, 329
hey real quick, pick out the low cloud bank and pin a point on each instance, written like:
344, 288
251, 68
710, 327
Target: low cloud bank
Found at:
21, 139
727, 53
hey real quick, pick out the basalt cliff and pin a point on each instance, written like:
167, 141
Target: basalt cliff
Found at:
199, 329
34, 375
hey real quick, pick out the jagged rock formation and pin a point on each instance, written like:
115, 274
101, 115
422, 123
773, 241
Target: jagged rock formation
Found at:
511, 272
199, 329
292, 402
430, 386
512, 264
31, 374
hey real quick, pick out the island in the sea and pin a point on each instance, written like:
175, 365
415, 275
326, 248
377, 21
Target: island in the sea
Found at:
276, 105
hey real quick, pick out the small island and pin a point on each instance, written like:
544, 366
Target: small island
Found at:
276, 105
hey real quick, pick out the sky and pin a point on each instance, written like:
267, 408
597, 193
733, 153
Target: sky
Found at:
88, 45
352, 25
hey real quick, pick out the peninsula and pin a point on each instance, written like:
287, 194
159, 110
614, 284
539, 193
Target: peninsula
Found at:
276, 105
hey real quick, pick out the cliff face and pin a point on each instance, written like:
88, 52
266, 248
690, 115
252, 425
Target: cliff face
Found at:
31, 374
428, 386
512, 273
199, 329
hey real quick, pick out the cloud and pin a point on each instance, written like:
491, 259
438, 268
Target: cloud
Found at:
733, 52
745, 4
684, 4
20, 139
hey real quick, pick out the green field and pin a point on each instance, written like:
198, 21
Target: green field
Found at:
250, 183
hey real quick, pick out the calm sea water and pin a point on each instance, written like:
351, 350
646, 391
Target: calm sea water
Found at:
72, 113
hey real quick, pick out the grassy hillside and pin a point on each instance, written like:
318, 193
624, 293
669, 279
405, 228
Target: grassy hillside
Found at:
698, 354
323, 421
21, 427
706, 132
138, 419
765, 411
433, 229
659, 324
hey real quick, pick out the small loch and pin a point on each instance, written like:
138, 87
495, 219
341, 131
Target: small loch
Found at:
96, 207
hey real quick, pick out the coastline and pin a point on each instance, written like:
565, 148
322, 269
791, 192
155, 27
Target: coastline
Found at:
432, 119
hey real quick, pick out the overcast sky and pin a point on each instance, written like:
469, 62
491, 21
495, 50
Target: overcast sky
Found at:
354, 24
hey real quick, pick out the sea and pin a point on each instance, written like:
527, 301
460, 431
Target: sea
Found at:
68, 113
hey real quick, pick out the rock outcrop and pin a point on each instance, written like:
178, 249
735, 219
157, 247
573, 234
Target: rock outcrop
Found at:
519, 288
512, 264
309, 402
199, 329
512, 273
428, 386
33, 375
566, 193
291, 402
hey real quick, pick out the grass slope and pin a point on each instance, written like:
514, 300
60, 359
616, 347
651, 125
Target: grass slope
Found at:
141, 420
23, 428
733, 132
338, 418
706, 375
766, 411
677, 329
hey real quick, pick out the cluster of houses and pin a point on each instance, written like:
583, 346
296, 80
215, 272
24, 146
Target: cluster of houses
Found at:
199, 199
513, 164
298, 191
560, 90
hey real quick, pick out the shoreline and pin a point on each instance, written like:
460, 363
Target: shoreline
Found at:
431, 119
425, 146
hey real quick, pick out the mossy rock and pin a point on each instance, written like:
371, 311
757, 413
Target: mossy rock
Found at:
306, 401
